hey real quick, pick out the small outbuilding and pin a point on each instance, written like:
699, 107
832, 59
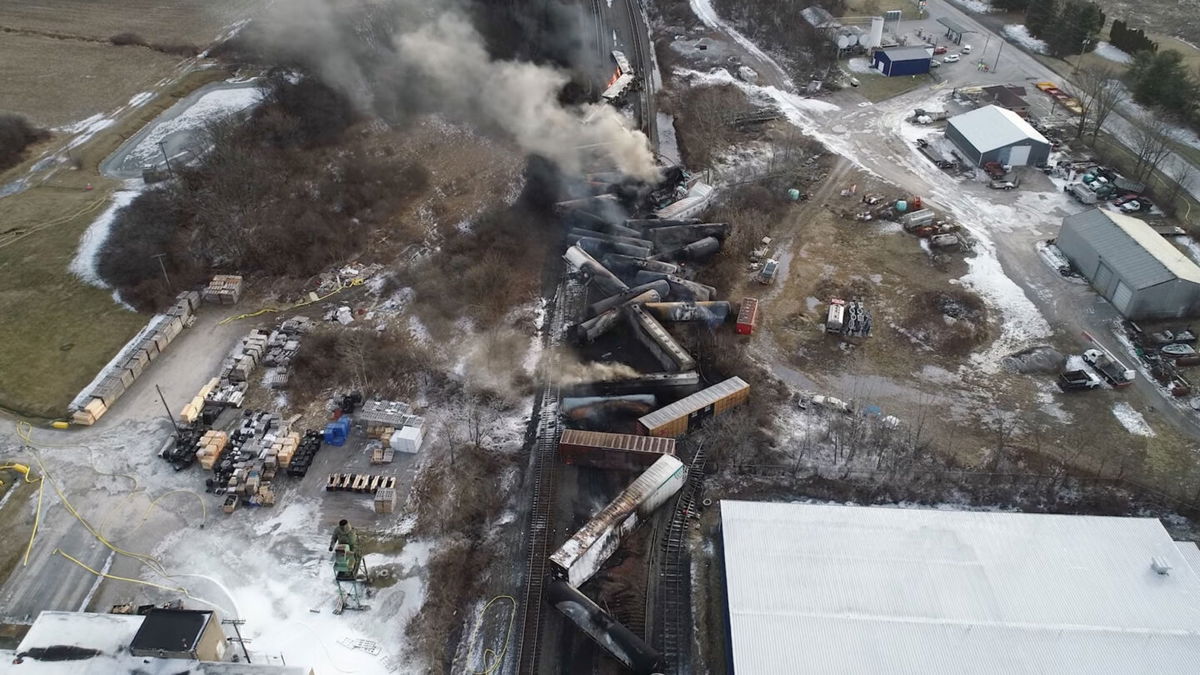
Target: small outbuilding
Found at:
993, 134
1131, 265
903, 60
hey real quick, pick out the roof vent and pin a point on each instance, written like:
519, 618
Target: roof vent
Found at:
1160, 565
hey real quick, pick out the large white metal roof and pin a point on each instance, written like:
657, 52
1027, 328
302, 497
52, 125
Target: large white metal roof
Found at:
1151, 261
992, 127
848, 589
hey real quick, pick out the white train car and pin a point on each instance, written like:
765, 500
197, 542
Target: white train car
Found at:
623, 67
583, 554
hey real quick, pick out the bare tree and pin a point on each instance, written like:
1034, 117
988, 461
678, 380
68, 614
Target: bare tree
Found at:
1151, 144
1099, 92
1183, 173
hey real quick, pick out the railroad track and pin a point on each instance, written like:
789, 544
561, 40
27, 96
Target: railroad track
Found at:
644, 64
567, 300
673, 603
598, 14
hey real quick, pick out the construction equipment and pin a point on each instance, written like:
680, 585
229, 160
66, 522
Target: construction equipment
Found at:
352, 578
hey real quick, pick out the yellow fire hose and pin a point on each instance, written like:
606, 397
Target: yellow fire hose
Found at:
357, 281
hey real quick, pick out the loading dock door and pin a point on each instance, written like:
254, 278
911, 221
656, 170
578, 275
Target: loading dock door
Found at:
1018, 155
1121, 297
1103, 278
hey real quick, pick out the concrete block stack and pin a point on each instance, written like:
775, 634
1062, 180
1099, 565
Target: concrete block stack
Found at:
134, 358
281, 348
385, 500
224, 289
210, 448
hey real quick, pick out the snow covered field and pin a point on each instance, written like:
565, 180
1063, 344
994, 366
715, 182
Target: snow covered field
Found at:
1020, 34
214, 105
1132, 420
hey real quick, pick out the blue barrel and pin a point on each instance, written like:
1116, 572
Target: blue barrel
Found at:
901, 206
337, 431
793, 194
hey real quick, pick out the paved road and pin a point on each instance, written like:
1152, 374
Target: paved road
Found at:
1014, 60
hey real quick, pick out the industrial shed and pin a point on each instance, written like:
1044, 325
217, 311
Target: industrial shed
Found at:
993, 134
903, 60
1131, 265
815, 588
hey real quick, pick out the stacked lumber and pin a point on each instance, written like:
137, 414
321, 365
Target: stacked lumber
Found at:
210, 448
284, 448
192, 410
385, 500
224, 289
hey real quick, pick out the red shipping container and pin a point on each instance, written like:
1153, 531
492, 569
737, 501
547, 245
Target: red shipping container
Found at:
747, 316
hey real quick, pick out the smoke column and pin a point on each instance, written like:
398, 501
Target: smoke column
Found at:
423, 59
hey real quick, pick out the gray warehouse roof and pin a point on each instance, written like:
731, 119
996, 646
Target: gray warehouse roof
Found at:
867, 590
908, 53
992, 127
1138, 254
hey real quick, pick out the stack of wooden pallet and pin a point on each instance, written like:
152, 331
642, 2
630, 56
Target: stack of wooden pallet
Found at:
224, 289
380, 432
210, 447
192, 410
381, 454
358, 482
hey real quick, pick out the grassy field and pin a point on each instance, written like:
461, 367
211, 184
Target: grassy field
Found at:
195, 22
876, 88
56, 82
57, 331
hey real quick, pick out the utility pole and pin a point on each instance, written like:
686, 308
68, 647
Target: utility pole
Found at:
163, 147
998, 53
167, 408
239, 639
164, 270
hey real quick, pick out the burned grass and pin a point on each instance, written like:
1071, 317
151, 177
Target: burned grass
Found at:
952, 321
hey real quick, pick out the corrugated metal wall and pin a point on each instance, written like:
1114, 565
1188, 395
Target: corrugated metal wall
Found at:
963, 145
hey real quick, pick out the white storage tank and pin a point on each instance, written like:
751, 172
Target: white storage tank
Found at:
875, 39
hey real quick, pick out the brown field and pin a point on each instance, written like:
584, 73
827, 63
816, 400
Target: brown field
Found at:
55, 82
195, 22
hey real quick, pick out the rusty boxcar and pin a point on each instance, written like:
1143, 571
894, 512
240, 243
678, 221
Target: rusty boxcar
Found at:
747, 316
582, 555
688, 413
612, 451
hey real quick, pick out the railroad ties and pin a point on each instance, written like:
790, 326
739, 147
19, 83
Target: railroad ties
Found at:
568, 299
673, 606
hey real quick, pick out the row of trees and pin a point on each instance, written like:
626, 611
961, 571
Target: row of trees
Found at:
1130, 40
1066, 26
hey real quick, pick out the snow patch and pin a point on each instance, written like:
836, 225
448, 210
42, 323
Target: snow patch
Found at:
141, 98
1106, 51
860, 64
703, 10
1132, 420
1018, 33
211, 106
87, 258
977, 6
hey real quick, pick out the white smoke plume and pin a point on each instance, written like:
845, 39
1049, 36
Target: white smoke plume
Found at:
438, 61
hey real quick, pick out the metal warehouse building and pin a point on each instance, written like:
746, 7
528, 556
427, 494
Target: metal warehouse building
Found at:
1131, 265
903, 60
993, 134
816, 588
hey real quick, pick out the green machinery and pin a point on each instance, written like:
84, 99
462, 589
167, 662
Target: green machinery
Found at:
352, 578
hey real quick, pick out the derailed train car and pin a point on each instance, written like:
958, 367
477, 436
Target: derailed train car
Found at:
612, 451
582, 555
615, 638
688, 413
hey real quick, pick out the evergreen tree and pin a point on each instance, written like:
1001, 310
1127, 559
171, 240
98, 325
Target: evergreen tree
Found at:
1041, 17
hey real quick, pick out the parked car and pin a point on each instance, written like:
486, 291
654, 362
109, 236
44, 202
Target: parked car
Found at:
939, 50
1005, 182
950, 58
1124, 199
1131, 206
934, 63
767, 274
966, 49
